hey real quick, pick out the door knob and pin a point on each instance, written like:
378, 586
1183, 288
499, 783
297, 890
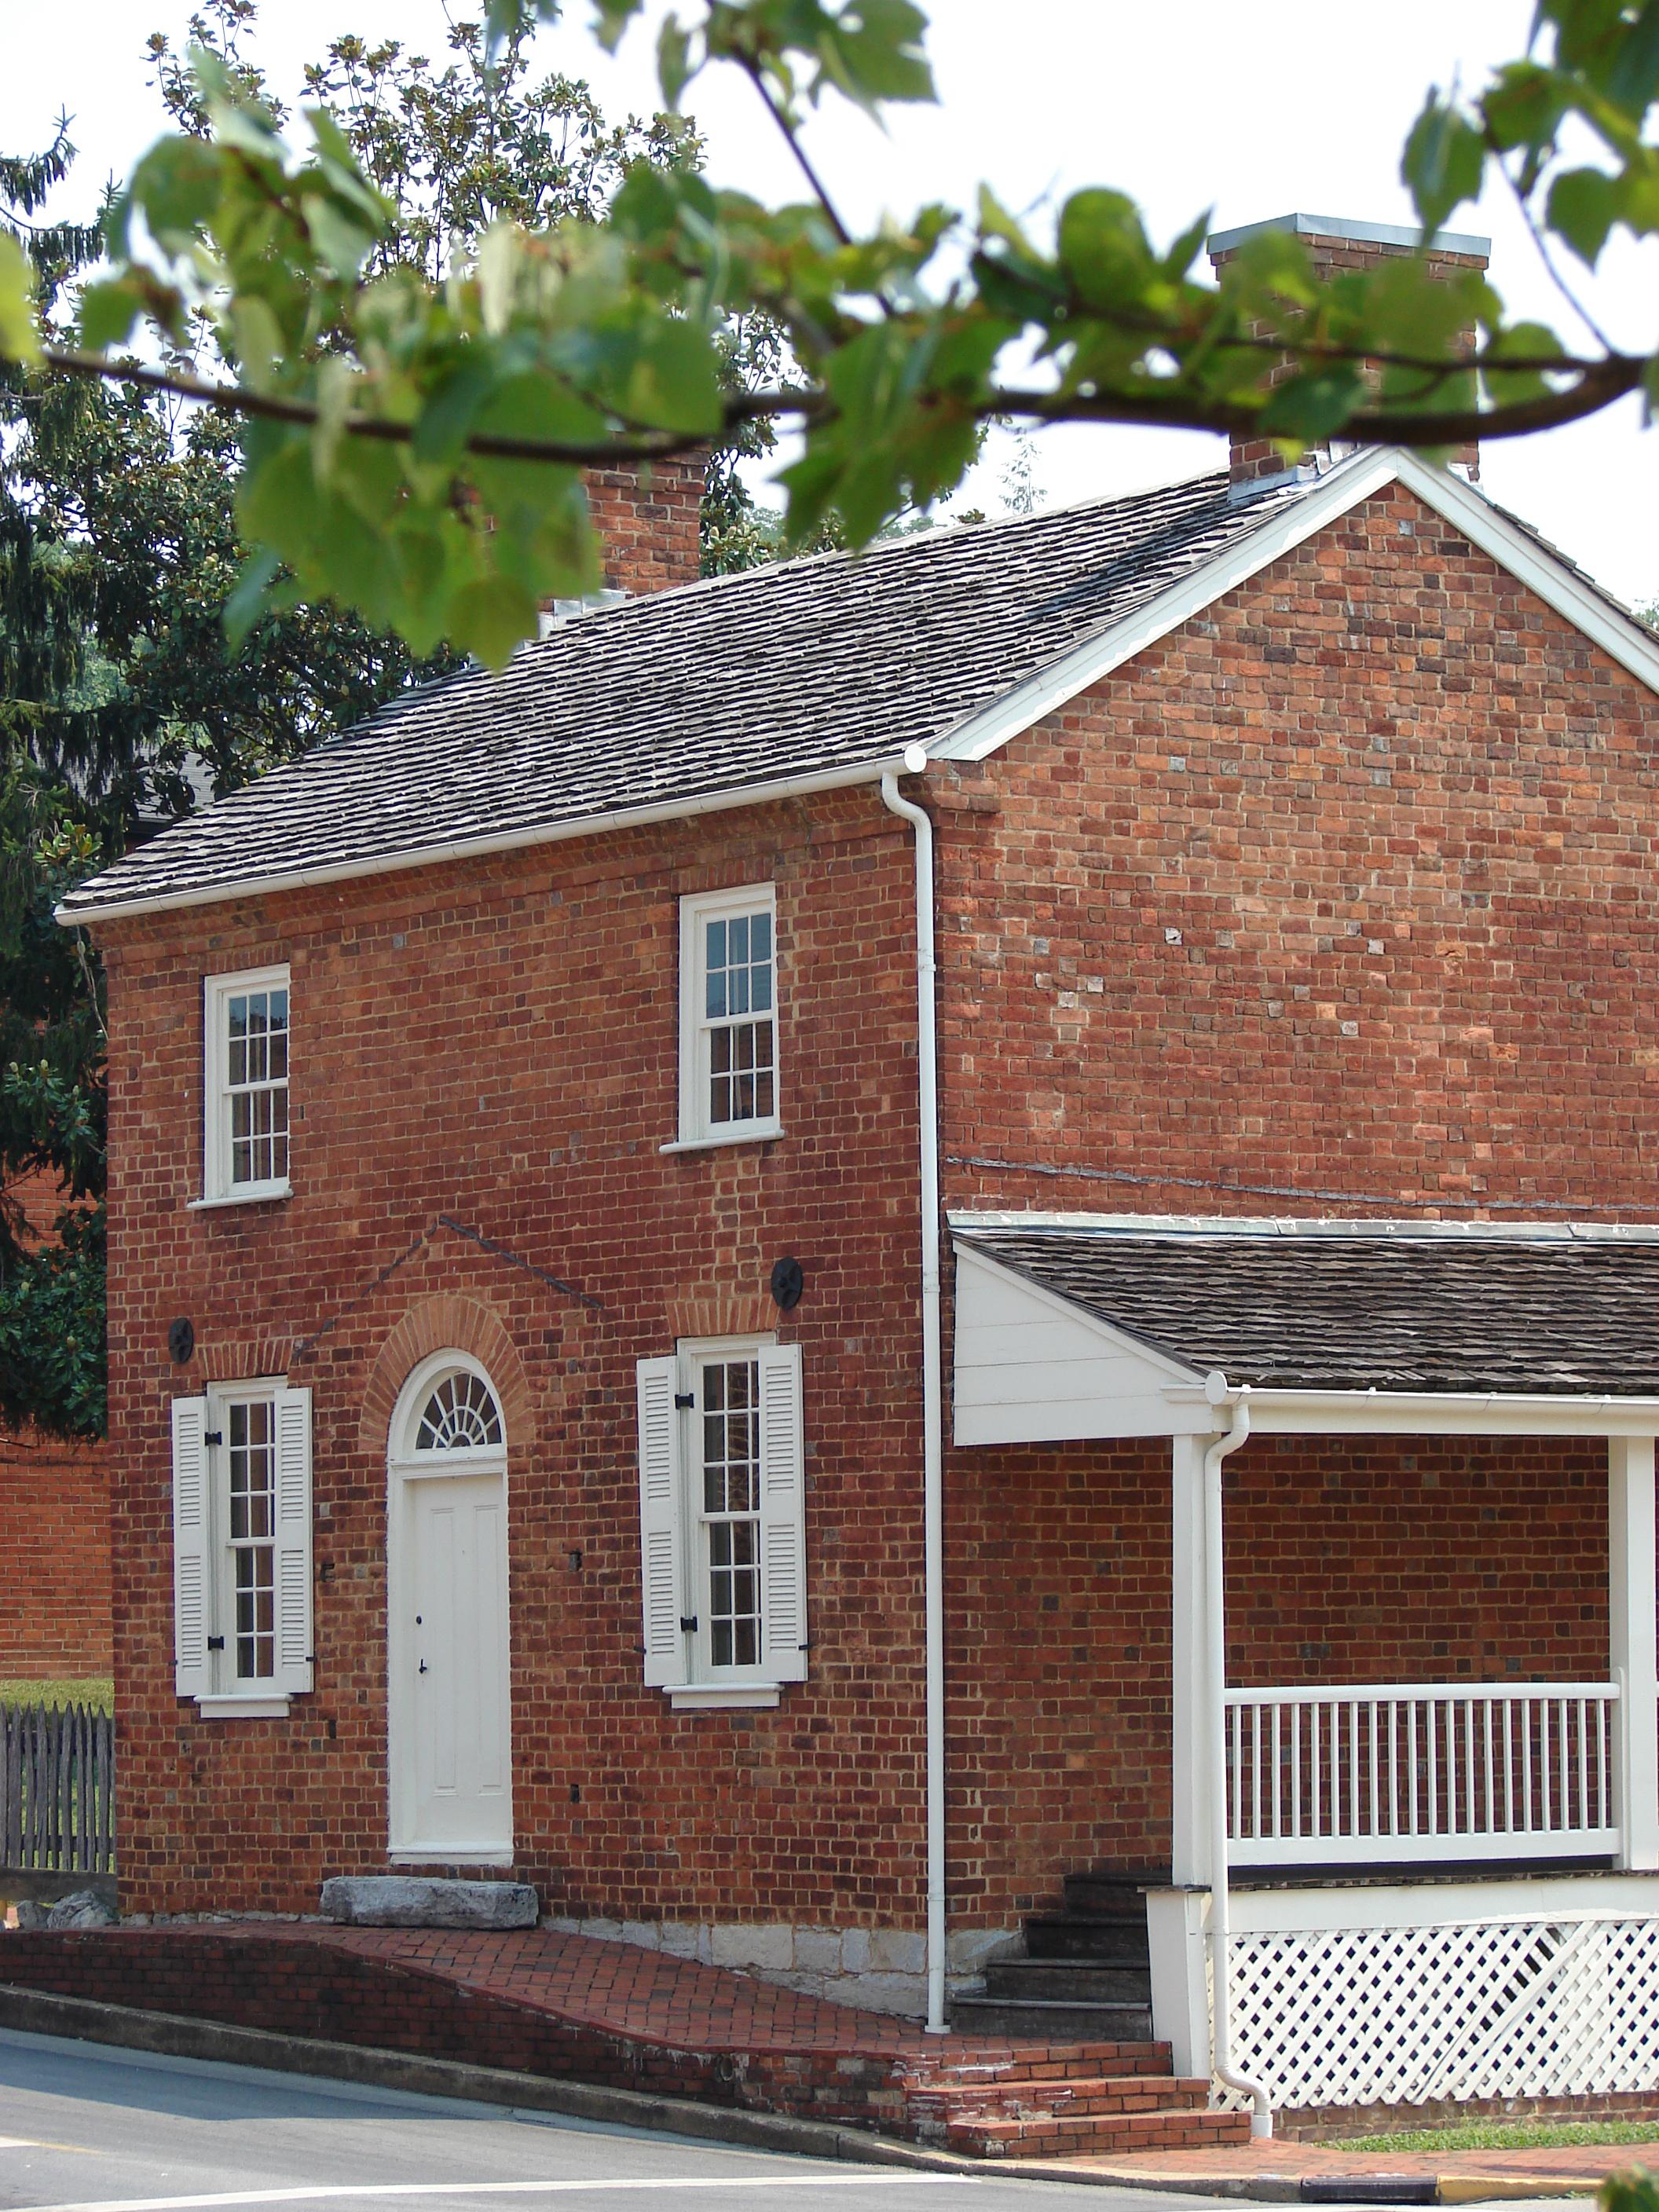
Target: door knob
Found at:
423, 1666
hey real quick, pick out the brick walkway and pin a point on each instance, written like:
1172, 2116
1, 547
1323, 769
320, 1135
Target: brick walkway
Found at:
635, 1992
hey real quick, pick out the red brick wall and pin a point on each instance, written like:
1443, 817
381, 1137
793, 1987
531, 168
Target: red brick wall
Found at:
1340, 898
54, 1559
498, 1043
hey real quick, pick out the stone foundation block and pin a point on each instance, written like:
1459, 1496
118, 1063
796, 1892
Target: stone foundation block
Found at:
379, 1900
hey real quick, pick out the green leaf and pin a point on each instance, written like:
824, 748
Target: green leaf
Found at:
248, 602
673, 60
1444, 162
1583, 206
108, 310
20, 333
490, 616
610, 18
444, 423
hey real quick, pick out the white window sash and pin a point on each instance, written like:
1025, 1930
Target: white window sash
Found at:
217, 1160
697, 910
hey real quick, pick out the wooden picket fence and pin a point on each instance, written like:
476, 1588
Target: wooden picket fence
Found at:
57, 1790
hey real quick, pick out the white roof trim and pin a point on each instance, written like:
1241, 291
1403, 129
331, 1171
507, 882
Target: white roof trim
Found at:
1267, 1224
470, 848
1358, 478
1441, 1412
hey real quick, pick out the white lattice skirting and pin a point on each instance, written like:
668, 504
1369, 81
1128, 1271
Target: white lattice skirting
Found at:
1400, 2015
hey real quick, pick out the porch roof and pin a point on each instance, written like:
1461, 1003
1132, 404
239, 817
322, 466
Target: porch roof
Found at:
1379, 1314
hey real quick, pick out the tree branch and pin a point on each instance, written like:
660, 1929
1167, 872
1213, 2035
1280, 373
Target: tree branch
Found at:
1598, 384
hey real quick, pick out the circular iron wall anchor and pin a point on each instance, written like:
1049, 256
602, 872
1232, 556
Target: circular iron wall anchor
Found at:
788, 1284
181, 1339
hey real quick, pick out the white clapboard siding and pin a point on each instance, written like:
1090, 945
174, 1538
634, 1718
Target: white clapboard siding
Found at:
783, 1515
662, 1537
294, 1670
1029, 1368
193, 1675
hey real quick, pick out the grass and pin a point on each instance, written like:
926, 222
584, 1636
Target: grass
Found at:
97, 1690
1508, 2135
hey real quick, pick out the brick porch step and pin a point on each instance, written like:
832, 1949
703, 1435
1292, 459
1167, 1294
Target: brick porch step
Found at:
1131, 2092
1082, 2134
988, 2062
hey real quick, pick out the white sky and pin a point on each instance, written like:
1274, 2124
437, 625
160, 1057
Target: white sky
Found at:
1255, 111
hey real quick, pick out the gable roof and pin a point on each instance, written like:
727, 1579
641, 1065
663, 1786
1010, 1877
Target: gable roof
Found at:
1384, 1307
799, 677
807, 673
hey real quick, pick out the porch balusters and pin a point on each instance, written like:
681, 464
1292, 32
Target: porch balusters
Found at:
1372, 1774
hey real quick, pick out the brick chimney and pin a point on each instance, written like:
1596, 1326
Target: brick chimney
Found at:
1333, 245
648, 521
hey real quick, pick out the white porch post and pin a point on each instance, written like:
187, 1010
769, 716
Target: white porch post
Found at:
1632, 1638
1190, 1795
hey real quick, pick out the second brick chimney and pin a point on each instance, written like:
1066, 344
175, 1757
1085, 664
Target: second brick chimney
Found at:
1333, 246
648, 521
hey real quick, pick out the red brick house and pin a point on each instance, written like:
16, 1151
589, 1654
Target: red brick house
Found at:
1217, 929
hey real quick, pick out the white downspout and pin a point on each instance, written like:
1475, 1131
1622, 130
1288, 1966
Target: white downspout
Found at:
933, 1463
1215, 1607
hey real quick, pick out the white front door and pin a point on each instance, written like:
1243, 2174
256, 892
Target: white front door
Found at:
451, 1734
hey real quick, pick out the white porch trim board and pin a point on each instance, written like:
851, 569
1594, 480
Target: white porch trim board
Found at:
1634, 1607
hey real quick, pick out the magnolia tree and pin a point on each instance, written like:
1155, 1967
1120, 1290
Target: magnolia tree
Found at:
413, 439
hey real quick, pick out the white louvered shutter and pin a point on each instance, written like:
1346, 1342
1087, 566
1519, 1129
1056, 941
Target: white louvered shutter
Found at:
662, 1532
292, 1541
193, 1677
783, 1515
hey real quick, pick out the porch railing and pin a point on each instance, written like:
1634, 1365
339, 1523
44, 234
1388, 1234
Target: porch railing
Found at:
1368, 1775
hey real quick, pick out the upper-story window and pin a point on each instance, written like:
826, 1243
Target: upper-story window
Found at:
246, 1088
728, 1015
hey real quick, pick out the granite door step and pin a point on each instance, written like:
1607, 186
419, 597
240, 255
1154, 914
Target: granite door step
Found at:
397, 1900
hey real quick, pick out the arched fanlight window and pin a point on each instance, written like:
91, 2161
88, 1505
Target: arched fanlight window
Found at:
460, 1414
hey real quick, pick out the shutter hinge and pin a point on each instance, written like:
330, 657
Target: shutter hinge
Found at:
685, 1401
216, 1644
212, 1435
689, 1627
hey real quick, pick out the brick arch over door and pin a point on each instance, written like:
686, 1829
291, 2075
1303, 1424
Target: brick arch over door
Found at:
446, 1324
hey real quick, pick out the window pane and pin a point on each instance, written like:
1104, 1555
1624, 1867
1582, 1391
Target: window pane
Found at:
256, 1085
730, 1393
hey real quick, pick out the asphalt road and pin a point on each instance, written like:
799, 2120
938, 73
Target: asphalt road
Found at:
85, 2129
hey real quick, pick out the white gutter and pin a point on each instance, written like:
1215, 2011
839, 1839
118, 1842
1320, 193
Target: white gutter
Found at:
1215, 1595
471, 848
933, 1368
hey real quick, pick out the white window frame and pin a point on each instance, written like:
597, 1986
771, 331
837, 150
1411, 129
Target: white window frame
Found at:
208, 1673
683, 1667
217, 1187
696, 1128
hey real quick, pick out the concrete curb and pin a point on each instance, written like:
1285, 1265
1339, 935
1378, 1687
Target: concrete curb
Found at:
36, 2013
1309, 2189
